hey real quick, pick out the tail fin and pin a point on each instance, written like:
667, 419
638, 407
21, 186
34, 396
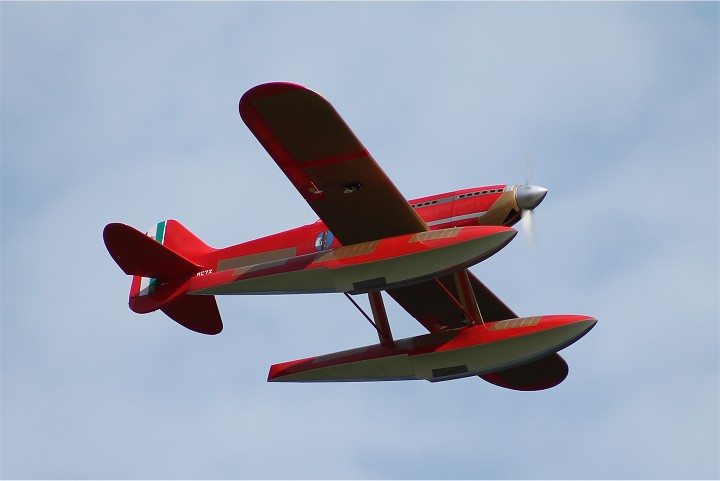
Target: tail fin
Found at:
162, 263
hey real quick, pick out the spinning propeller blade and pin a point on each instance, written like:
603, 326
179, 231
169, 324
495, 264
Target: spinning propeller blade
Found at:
529, 226
528, 197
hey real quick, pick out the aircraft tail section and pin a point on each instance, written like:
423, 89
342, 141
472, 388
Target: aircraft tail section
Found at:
162, 262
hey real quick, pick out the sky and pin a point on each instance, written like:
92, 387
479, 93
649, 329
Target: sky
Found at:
127, 112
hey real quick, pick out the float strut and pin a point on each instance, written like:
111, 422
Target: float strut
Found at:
381, 320
381, 324
467, 303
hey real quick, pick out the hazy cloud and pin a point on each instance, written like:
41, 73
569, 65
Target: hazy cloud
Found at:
128, 112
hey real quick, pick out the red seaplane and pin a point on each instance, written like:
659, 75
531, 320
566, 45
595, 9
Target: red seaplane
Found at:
369, 240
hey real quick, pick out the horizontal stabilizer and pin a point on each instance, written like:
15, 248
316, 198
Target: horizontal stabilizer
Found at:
197, 313
140, 255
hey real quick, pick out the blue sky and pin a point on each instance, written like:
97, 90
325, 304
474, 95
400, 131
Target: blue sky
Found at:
128, 112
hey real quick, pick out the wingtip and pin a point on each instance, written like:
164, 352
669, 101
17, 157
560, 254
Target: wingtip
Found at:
269, 89
538, 375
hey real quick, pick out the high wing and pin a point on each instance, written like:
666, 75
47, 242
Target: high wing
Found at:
348, 190
327, 164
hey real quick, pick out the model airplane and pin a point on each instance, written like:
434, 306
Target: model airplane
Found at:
369, 240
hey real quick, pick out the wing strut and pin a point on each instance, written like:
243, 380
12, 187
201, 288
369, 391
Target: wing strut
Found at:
381, 324
467, 296
467, 303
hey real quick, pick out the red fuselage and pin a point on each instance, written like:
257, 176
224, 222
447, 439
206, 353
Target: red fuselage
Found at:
489, 205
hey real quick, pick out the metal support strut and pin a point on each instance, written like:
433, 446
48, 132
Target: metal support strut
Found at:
467, 303
381, 320
381, 324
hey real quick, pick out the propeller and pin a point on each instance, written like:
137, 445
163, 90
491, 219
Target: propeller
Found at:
528, 220
528, 197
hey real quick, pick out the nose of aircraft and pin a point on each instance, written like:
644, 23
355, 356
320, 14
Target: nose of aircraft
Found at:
529, 196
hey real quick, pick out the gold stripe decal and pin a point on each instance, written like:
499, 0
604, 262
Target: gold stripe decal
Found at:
348, 251
514, 323
435, 234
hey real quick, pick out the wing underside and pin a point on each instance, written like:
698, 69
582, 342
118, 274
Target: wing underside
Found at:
327, 164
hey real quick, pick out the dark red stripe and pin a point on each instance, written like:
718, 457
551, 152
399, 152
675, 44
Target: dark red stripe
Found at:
335, 160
